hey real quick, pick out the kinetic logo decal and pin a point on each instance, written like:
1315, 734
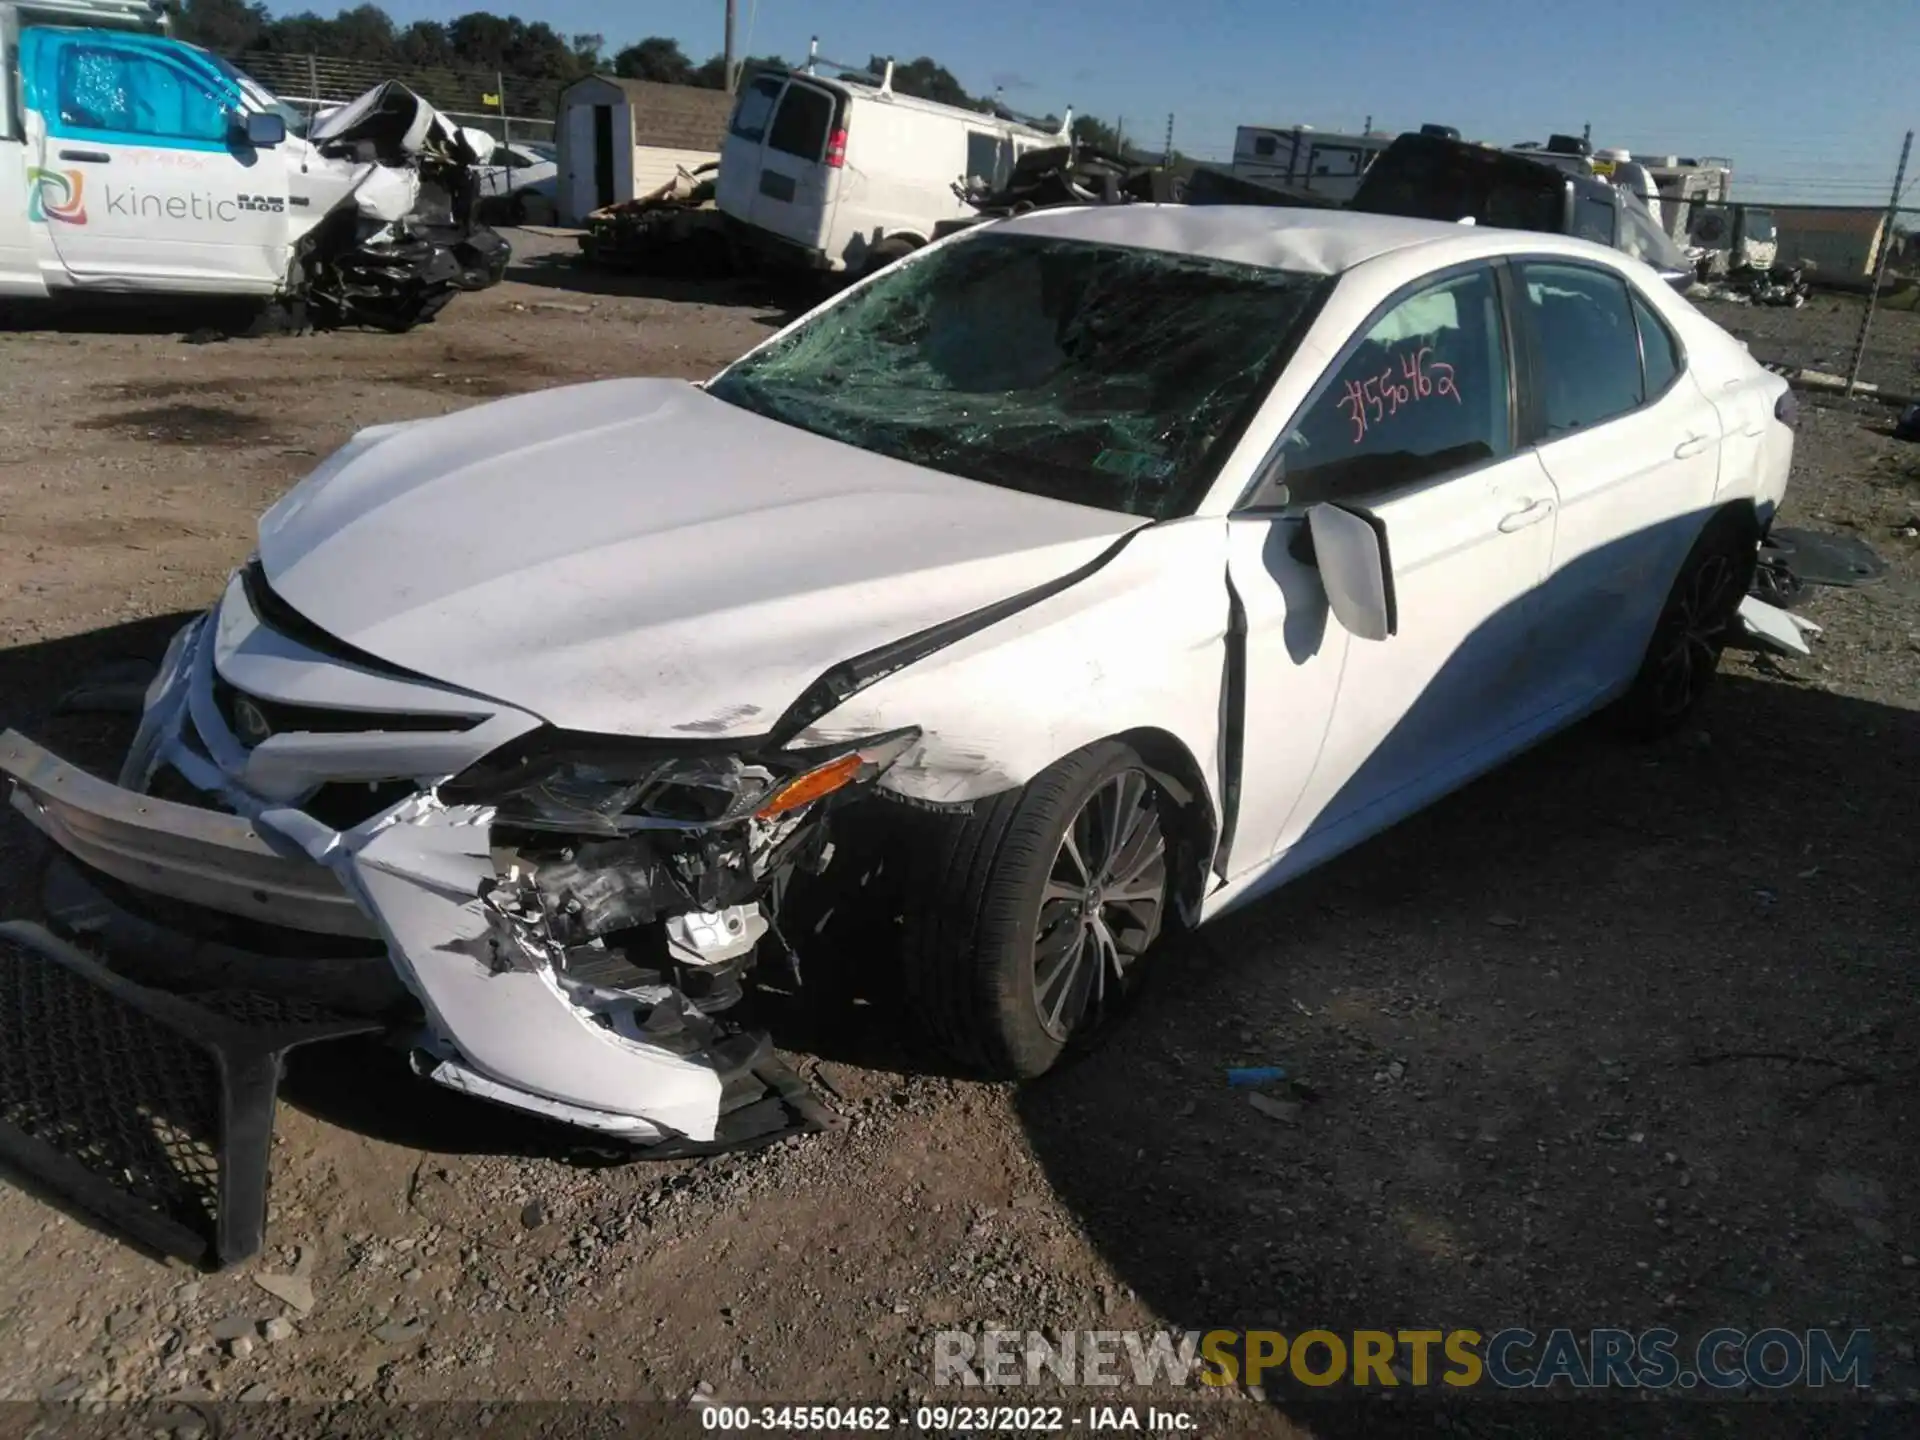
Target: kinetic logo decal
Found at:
56, 195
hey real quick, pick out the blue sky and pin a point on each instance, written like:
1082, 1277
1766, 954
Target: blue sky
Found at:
1809, 100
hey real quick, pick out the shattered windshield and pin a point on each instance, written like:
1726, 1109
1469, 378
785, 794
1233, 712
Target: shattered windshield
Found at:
1099, 374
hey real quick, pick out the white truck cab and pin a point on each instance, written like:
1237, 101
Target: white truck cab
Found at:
132, 162
843, 173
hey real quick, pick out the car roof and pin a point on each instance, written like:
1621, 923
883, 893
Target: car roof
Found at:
1305, 240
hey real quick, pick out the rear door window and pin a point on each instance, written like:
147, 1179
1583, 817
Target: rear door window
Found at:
1586, 346
801, 124
1659, 351
750, 116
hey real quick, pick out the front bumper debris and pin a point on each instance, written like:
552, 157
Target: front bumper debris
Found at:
651, 1070
153, 1110
202, 857
322, 852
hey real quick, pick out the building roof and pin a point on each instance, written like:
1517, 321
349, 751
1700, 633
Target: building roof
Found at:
685, 117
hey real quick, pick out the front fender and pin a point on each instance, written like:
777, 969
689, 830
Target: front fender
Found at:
1138, 645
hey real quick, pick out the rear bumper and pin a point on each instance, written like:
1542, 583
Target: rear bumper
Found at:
776, 252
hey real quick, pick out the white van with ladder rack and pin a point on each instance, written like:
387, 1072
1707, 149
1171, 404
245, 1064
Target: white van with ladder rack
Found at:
840, 172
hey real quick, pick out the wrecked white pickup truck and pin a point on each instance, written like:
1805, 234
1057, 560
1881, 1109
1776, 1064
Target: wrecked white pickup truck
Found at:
137, 164
1105, 568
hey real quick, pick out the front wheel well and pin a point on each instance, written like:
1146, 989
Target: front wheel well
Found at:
1194, 823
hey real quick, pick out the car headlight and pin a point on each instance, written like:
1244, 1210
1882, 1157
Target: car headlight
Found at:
614, 789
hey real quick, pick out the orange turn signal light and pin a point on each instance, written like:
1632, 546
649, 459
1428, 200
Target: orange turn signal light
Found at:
804, 789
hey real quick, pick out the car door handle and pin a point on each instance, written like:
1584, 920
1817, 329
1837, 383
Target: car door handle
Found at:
1692, 445
87, 157
1520, 519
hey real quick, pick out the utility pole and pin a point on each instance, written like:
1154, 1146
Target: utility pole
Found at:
1367, 129
1120, 136
1166, 158
1880, 263
1586, 132
727, 53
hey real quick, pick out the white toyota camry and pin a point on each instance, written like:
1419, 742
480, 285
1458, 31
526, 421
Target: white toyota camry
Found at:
1099, 570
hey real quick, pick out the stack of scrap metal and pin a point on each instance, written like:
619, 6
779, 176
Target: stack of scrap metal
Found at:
675, 229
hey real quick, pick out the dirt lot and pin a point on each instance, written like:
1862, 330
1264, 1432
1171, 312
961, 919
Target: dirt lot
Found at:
1615, 1037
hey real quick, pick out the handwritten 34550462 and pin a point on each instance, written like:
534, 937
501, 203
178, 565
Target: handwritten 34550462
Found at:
1381, 397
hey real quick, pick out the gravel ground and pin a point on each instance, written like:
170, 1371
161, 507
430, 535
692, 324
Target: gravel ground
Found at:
1616, 1036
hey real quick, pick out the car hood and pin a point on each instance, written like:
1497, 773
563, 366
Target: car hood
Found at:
637, 557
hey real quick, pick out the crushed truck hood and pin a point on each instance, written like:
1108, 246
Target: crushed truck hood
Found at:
637, 557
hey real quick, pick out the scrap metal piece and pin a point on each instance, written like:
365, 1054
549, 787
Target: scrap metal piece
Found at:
1767, 627
152, 1110
1818, 558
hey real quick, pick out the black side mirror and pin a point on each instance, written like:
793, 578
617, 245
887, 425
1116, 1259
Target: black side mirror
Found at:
265, 131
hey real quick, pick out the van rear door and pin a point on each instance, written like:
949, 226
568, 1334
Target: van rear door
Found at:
793, 187
739, 178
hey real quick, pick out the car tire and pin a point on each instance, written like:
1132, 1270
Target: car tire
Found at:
1694, 625
1013, 950
885, 253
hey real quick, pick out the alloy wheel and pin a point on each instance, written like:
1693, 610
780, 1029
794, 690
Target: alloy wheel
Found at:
1695, 630
1102, 905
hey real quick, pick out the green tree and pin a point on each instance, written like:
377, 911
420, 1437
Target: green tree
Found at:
224, 26
655, 58
926, 79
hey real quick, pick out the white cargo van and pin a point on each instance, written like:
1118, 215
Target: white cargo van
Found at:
842, 173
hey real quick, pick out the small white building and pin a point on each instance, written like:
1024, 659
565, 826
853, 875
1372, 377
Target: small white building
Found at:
619, 139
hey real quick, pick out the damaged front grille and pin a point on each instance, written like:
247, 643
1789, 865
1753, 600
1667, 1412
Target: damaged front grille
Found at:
252, 718
153, 1110
117, 1093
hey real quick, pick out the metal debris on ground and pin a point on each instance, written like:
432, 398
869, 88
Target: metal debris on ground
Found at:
674, 229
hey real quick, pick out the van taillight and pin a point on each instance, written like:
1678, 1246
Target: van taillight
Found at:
837, 149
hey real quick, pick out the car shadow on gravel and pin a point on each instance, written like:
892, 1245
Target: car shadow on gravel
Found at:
1616, 1036
780, 302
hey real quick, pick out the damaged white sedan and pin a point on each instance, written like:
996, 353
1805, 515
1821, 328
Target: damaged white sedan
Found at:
1097, 570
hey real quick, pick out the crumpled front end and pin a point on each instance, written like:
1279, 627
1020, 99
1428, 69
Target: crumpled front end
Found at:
569, 953
406, 240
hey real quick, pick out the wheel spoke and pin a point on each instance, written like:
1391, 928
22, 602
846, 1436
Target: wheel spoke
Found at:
1057, 959
1125, 818
1072, 985
1070, 847
1058, 890
1142, 846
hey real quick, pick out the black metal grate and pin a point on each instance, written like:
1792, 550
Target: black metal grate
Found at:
153, 1110
114, 1090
